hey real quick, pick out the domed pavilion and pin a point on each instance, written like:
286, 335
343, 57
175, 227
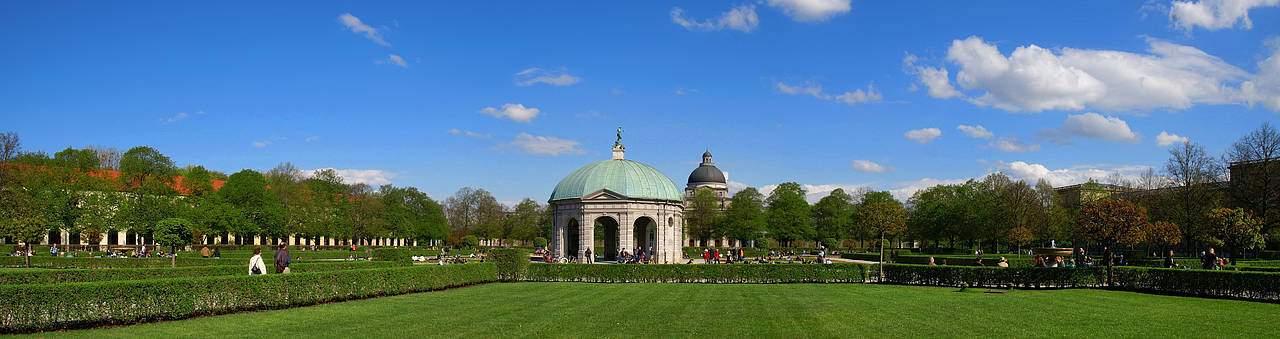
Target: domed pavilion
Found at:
617, 205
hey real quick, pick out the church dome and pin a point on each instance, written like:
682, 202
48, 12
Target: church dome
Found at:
706, 173
632, 179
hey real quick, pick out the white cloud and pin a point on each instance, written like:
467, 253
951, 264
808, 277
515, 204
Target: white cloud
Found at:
543, 145
1215, 14
369, 177
1030, 172
976, 131
742, 18
535, 75
356, 26
311, 138
935, 78
261, 144
1012, 144
469, 133
515, 112
1166, 139
1093, 126
868, 166
1034, 79
855, 97
905, 189
923, 135
683, 91
176, 117
393, 60
811, 10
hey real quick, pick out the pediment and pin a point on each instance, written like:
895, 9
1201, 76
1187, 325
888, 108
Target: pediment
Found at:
604, 194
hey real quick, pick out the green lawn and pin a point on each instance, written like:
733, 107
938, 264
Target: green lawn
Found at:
700, 310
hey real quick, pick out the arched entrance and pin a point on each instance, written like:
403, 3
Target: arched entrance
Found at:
571, 242
606, 238
646, 235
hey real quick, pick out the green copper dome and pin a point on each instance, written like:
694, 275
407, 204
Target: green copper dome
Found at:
629, 178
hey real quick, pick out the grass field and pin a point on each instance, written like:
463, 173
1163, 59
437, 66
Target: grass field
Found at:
699, 310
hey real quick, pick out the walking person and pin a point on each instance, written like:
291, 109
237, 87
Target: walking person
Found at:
255, 263
282, 259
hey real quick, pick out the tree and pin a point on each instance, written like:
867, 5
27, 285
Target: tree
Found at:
10, 146
833, 215
28, 230
1193, 174
885, 218
703, 215
246, 191
81, 159
1020, 235
1258, 190
174, 233
1112, 222
108, 157
1236, 229
788, 214
526, 220
146, 162
1162, 234
745, 219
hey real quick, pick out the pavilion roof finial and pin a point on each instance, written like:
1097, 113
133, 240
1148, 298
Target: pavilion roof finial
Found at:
618, 149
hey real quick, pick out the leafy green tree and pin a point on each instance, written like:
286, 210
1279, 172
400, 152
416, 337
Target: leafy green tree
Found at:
833, 216
80, 159
146, 161
788, 214
1019, 236
470, 241
1162, 234
745, 218
526, 221
28, 230
174, 233
703, 214
1236, 229
886, 218
247, 192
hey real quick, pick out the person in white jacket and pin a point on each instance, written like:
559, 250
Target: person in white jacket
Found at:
256, 262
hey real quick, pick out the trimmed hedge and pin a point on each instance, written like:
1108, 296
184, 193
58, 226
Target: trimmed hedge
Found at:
716, 274
1204, 283
993, 277
391, 254
61, 262
512, 263
59, 276
29, 308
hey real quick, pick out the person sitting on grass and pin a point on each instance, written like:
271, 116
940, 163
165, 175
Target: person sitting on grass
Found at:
1057, 262
931, 263
1038, 262
1168, 261
1002, 262
978, 262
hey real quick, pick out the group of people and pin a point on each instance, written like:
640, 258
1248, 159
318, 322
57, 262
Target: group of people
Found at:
714, 256
636, 256
281, 262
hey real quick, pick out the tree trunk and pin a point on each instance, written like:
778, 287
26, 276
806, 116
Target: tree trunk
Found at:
173, 259
1110, 272
881, 256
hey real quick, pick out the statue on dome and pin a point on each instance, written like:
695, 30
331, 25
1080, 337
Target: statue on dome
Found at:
618, 143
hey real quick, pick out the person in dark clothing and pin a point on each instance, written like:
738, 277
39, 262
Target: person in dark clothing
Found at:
1168, 261
1210, 260
1080, 256
283, 259
590, 259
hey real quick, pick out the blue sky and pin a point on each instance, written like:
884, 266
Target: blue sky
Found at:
511, 96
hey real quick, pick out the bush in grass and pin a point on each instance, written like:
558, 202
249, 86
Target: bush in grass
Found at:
470, 241
512, 263
540, 242
1206, 283
830, 243
993, 277
60, 276
174, 233
676, 273
30, 308
392, 254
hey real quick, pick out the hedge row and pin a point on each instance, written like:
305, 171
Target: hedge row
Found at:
1203, 283
59, 276
767, 274
993, 277
29, 308
512, 263
391, 254
62, 262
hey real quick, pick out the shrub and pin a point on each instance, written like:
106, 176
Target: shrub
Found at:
830, 243
993, 277
777, 273
540, 242
470, 241
1206, 283
83, 262
391, 254
41, 276
30, 308
512, 263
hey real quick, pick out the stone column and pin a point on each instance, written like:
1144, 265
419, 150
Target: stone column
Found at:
626, 234
586, 239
